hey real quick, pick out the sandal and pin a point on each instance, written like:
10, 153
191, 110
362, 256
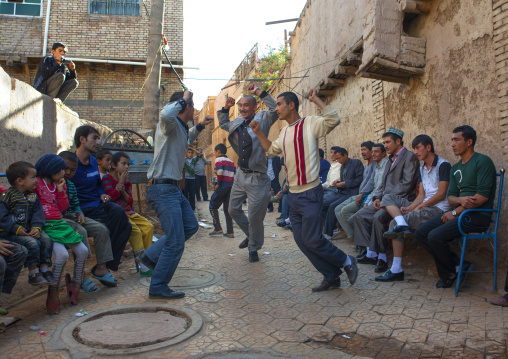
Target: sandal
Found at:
229, 235
52, 307
87, 286
72, 293
108, 279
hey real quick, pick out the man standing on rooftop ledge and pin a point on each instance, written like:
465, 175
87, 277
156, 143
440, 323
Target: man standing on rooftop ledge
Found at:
56, 76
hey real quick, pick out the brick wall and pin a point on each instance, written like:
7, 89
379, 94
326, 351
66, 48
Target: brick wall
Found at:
91, 35
104, 90
500, 19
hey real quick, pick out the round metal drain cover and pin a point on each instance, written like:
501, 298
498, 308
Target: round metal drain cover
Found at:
244, 354
131, 329
189, 278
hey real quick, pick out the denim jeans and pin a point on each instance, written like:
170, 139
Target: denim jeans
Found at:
179, 224
39, 250
10, 266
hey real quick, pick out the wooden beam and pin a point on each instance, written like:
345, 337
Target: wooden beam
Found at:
326, 92
345, 70
27, 73
376, 76
334, 82
415, 6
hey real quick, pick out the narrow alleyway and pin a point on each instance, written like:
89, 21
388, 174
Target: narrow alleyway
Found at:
266, 310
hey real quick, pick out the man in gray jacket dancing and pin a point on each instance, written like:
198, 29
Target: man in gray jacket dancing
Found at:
251, 180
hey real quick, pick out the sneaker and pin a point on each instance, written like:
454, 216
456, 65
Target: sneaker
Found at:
36, 279
48, 275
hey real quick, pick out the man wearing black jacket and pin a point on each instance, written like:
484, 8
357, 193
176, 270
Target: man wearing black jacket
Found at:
56, 77
351, 174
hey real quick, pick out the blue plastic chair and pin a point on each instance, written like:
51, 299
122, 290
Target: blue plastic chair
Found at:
490, 233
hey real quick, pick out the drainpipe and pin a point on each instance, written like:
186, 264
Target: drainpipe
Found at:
46, 29
80, 59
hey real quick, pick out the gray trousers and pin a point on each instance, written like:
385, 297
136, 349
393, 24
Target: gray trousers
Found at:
369, 226
415, 218
344, 213
59, 88
100, 234
256, 188
10, 266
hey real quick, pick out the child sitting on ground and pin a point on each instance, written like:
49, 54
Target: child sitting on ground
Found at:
103, 158
118, 187
22, 220
50, 189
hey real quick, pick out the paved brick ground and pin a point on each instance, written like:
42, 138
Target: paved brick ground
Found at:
266, 309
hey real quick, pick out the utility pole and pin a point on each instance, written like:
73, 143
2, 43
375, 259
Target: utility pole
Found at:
152, 86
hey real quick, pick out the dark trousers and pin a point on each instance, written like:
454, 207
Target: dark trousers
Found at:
330, 218
506, 286
10, 267
276, 189
435, 236
284, 206
305, 216
190, 192
114, 217
221, 198
201, 186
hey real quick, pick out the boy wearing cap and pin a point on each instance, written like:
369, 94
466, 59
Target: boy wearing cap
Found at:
399, 178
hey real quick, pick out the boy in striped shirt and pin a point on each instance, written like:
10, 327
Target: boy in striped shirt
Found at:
299, 143
225, 170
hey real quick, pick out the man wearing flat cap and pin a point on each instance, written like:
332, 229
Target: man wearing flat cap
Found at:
400, 178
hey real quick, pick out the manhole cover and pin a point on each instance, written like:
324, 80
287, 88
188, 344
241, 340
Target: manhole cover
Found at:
131, 329
189, 278
244, 354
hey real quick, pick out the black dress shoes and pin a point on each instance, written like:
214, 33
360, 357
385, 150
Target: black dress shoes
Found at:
362, 254
394, 233
445, 283
253, 256
352, 270
169, 295
281, 223
367, 260
244, 244
327, 285
381, 266
143, 259
390, 277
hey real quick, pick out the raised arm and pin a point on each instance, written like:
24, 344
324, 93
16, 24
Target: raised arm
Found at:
223, 115
196, 130
328, 120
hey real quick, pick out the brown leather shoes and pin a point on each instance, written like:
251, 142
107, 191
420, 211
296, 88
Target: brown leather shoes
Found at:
501, 301
381, 266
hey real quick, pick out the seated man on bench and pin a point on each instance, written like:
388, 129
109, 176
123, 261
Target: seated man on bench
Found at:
433, 179
472, 185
